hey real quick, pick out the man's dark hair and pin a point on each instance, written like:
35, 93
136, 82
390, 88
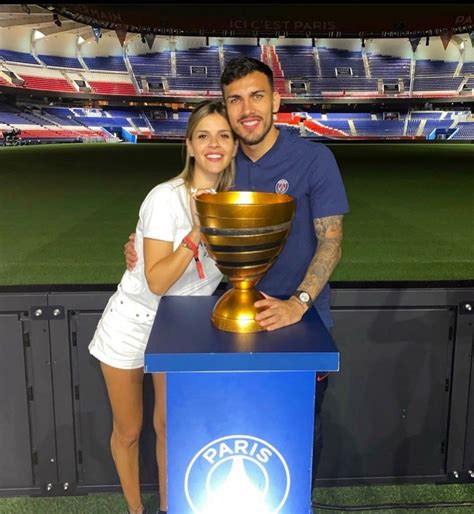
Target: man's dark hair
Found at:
240, 67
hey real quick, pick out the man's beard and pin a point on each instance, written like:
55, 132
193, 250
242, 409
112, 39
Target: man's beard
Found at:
256, 141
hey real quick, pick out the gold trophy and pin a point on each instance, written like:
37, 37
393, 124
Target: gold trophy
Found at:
244, 232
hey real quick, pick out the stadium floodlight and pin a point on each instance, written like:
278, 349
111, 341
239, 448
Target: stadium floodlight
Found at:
37, 34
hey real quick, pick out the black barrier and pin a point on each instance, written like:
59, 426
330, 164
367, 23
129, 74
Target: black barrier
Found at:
401, 410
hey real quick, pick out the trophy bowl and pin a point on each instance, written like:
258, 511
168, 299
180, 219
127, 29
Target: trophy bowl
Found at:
244, 232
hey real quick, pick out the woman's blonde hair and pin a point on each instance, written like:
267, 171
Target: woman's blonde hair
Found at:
203, 109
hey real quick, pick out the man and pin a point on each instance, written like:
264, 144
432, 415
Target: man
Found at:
275, 161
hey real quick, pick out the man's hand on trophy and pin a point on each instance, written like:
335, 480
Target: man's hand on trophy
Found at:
131, 256
278, 313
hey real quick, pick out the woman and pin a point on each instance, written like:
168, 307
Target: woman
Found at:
166, 233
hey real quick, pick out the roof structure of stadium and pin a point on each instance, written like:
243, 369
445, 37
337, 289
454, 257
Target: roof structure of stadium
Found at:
42, 19
258, 20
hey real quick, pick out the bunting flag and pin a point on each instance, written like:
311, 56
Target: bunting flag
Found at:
121, 34
97, 33
446, 38
150, 39
414, 42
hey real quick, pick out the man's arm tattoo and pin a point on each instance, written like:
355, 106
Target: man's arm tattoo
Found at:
329, 233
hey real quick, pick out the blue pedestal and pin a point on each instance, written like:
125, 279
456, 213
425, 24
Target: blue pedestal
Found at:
240, 410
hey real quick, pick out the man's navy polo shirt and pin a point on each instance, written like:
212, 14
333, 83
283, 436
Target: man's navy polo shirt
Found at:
309, 172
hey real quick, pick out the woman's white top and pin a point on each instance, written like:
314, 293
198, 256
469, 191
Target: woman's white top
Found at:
123, 331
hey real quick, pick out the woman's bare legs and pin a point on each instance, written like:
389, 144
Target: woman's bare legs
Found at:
125, 389
159, 422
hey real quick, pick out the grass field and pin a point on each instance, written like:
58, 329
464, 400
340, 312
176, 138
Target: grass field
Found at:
336, 496
66, 210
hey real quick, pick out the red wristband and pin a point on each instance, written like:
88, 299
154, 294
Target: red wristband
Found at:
195, 249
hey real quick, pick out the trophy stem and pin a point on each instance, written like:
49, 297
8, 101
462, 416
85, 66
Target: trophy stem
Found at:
235, 310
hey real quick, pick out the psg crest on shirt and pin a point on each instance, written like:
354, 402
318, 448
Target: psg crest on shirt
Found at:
281, 187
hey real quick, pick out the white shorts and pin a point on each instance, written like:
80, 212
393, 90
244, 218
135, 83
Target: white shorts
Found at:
122, 333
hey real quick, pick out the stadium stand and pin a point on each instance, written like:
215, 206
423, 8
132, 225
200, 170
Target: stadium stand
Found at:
54, 61
465, 131
318, 72
105, 63
298, 61
232, 51
36, 123
83, 122
17, 57
333, 62
307, 71
152, 64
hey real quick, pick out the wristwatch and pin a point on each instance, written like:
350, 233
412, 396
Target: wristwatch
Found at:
303, 297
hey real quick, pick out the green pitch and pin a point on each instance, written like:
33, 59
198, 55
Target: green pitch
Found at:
336, 496
66, 210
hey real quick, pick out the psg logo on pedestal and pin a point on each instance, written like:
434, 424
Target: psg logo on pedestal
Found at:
237, 474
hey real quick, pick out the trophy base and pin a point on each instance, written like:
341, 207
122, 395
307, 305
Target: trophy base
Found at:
235, 311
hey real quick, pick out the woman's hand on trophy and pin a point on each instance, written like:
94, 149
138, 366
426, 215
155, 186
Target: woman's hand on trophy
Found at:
278, 313
195, 193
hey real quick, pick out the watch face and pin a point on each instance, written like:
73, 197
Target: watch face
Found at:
304, 297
